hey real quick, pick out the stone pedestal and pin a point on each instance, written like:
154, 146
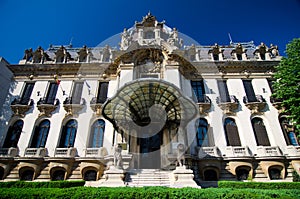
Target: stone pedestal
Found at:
113, 178
183, 177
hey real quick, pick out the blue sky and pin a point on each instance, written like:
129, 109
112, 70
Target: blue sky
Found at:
28, 24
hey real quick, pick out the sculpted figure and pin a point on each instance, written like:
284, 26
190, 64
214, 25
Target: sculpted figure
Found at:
274, 50
118, 157
28, 54
38, 55
82, 54
125, 39
180, 154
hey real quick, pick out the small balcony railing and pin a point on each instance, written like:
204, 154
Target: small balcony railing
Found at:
72, 107
35, 152
266, 151
229, 106
8, 152
96, 105
96, 152
292, 151
65, 152
256, 106
204, 152
276, 102
47, 108
204, 103
20, 107
237, 151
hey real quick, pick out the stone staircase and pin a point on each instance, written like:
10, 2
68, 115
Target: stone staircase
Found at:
148, 177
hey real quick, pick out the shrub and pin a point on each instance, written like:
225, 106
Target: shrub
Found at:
48, 184
259, 185
296, 177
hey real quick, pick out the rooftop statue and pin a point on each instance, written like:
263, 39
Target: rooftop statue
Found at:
125, 40
239, 50
28, 54
82, 54
38, 55
274, 50
180, 154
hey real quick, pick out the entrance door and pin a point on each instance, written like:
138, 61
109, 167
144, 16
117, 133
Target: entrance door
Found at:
150, 152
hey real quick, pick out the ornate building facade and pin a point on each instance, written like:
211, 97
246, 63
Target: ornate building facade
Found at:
152, 96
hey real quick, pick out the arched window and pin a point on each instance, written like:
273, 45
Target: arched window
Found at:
210, 175
97, 134
242, 173
68, 134
274, 173
58, 174
90, 175
260, 132
27, 174
288, 132
1, 173
202, 138
13, 134
40, 134
231, 131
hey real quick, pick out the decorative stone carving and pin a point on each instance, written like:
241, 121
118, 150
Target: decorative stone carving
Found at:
83, 54
95, 106
216, 52
239, 53
28, 53
19, 108
191, 52
47, 109
229, 107
106, 52
125, 40
274, 50
73, 108
118, 163
261, 51
62, 55
256, 106
180, 154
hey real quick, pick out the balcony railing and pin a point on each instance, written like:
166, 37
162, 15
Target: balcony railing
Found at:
96, 105
256, 106
65, 152
266, 151
72, 107
208, 152
237, 151
8, 152
35, 152
96, 152
230, 106
204, 103
46, 108
277, 103
20, 107
292, 151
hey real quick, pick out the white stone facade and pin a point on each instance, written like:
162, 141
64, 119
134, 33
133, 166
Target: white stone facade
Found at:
150, 54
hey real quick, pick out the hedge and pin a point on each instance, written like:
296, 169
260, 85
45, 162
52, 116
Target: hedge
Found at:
48, 184
259, 185
146, 193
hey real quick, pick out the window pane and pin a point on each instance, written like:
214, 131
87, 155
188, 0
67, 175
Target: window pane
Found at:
13, 134
223, 90
249, 91
27, 93
76, 92
97, 133
231, 131
68, 134
260, 132
198, 88
102, 92
51, 94
40, 135
202, 138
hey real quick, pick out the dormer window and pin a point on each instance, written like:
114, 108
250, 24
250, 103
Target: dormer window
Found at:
149, 35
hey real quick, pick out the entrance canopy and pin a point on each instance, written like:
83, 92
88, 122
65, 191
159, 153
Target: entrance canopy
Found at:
146, 102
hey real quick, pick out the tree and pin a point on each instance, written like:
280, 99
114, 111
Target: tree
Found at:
287, 85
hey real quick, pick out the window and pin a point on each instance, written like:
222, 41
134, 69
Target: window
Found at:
274, 173
51, 94
149, 35
68, 134
223, 91
40, 134
1, 173
90, 175
198, 88
231, 131
58, 175
76, 92
102, 92
26, 93
97, 134
27, 174
13, 134
202, 138
271, 82
242, 173
210, 175
260, 132
249, 91
288, 132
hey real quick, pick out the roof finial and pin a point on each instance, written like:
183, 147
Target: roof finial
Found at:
149, 13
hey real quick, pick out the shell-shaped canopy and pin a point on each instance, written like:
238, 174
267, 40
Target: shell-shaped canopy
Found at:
148, 101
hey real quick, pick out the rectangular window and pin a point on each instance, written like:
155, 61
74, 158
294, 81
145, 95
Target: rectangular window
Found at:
26, 93
223, 91
271, 82
77, 92
51, 94
198, 88
102, 92
249, 91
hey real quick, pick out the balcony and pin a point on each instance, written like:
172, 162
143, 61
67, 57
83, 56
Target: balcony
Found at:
277, 103
96, 152
237, 151
292, 151
96, 106
208, 152
204, 104
256, 106
267, 151
230, 106
47, 108
72, 107
9, 152
20, 107
36, 152
65, 152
